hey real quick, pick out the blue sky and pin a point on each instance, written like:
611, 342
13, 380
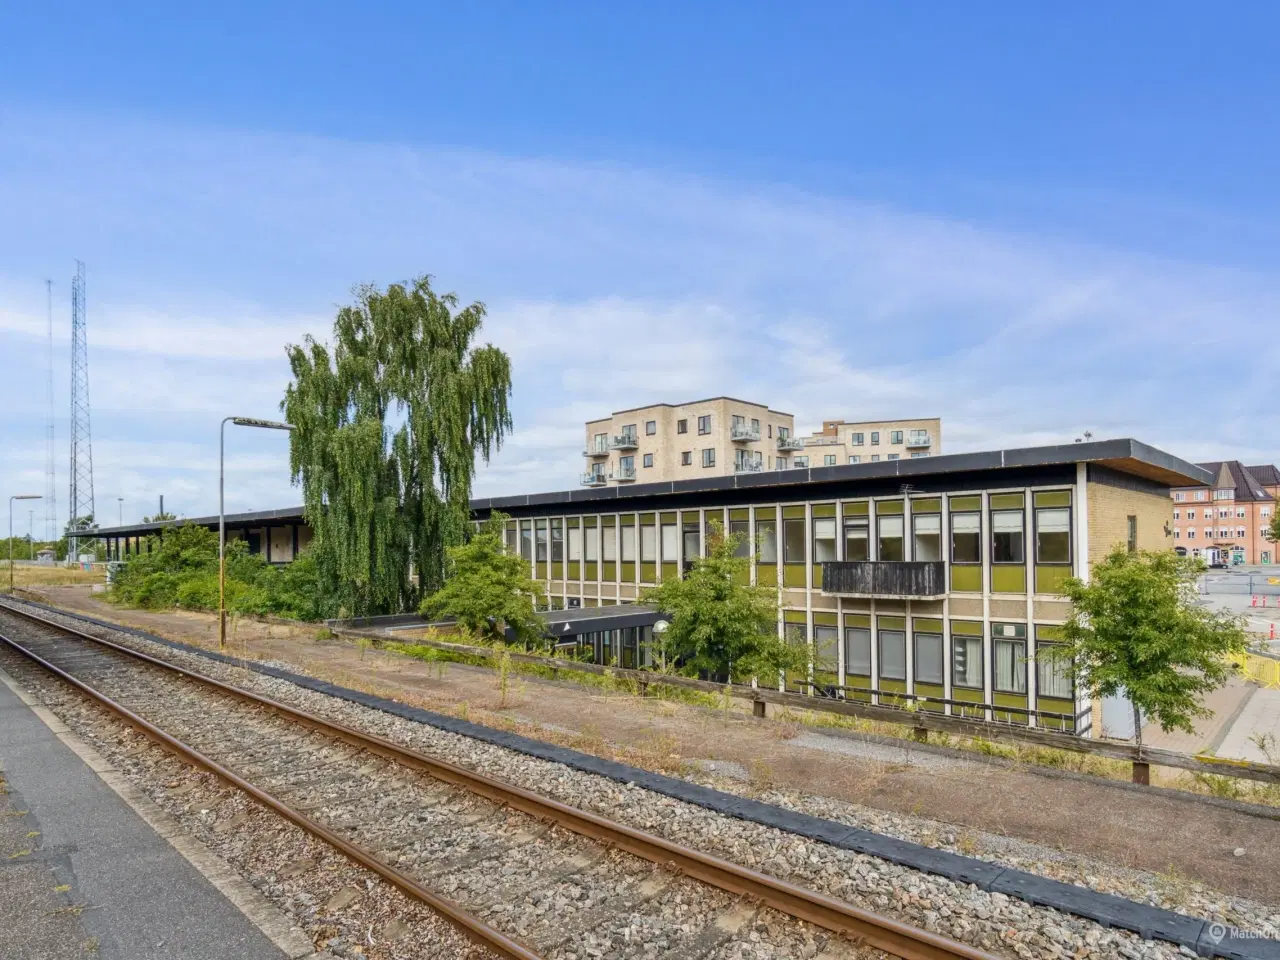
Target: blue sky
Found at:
1028, 221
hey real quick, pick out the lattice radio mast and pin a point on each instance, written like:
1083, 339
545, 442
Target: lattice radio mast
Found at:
50, 479
81, 523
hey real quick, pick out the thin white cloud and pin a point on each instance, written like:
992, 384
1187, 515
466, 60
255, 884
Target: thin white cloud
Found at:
609, 288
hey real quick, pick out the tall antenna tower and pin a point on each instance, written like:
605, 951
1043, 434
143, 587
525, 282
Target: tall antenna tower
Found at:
50, 481
81, 523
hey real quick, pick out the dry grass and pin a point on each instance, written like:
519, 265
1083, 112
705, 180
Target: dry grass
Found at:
32, 575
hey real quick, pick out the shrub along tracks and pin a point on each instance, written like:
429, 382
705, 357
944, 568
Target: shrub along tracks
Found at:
550, 879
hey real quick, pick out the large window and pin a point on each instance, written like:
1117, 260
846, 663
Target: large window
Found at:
895, 436
590, 545
627, 466
927, 536
742, 530
893, 654
966, 661
609, 544
540, 541
709, 457
824, 539
1053, 676
648, 543
928, 651
629, 431
767, 535
686, 458
857, 545
1053, 535
629, 544
650, 427
875, 436
526, 539
857, 651
557, 541
966, 537
1009, 656
889, 538
1006, 536
793, 541
648, 459
575, 543
670, 542
682, 426
826, 647
828, 459
856, 439
704, 424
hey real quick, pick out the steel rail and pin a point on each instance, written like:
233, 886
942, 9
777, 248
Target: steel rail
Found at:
861, 926
475, 929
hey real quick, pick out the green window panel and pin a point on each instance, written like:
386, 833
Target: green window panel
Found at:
575, 570
792, 513
966, 579
542, 570
794, 616
590, 602
887, 507
1052, 579
592, 571
933, 690
963, 504
792, 574
826, 619
670, 571
557, 603
891, 623
926, 625
1009, 700
857, 620
968, 628
927, 506
1053, 498
977, 712
1008, 579
608, 571
766, 576
740, 513
589, 522
857, 508
1007, 501
824, 509
888, 690
668, 518
557, 570
628, 571
648, 573
1055, 705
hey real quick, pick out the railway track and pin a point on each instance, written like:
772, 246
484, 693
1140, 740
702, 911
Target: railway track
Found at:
523, 875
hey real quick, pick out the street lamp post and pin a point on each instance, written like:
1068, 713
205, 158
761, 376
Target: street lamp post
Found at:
16, 496
120, 501
222, 521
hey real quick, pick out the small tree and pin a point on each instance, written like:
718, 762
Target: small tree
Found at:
1135, 628
720, 623
487, 589
1273, 532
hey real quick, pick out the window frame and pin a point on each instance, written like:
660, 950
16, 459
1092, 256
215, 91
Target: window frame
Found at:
650, 428
881, 538
881, 634
915, 534
682, 426
647, 461
835, 529
895, 436
1035, 519
704, 425
855, 522
789, 524
916, 637
1019, 512
996, 640
1043, 663
686, 458
708, 457
848, 651
970, 641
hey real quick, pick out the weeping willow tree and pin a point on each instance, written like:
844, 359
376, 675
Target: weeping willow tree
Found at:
389, 421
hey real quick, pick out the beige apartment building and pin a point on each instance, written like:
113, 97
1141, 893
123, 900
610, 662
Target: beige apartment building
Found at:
870, 441
717, 437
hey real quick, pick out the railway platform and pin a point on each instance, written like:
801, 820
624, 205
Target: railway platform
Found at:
82, 873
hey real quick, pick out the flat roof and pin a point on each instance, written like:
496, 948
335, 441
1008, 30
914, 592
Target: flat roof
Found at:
863, 423
1126, 455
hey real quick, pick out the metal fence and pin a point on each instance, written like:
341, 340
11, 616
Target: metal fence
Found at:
1250, 584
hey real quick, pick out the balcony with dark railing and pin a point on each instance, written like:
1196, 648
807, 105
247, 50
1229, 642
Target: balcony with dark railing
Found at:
887, 579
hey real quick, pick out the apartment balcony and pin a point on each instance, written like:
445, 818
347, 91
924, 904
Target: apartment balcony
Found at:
885, 579
748, 466
625, 441
596, 450
789, 443
744, 433
919, 442
623, 475
594, 479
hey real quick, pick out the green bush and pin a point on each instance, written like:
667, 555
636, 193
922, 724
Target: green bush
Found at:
181, 570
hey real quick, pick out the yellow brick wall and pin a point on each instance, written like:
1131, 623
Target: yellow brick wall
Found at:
1109, 510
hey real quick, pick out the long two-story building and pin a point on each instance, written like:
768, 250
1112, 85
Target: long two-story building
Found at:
935, 580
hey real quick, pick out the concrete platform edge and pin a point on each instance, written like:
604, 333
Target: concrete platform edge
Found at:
275, 926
